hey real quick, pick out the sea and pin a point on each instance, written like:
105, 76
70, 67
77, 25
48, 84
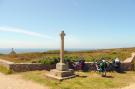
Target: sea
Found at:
28, 50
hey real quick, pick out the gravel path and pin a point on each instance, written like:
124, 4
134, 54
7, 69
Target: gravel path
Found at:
14, 82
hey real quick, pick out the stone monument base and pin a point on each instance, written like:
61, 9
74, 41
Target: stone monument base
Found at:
60, 75
61, 72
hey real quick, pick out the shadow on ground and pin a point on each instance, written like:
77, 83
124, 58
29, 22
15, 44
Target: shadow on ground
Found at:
82, 76
108, 76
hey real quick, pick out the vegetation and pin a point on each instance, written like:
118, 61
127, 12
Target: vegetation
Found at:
48, 60
54, 60
93, 80
88, 55
5, 70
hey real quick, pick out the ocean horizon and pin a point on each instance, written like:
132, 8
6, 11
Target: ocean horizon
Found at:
27, 50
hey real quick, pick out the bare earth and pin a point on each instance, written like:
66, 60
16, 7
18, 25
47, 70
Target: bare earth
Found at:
129, 60
132, 86
14, 82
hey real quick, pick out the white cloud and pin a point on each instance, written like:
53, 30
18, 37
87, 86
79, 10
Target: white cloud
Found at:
22, 31
70, 40
28, 44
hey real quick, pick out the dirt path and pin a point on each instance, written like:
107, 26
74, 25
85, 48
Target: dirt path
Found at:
14, 82
132, 86
129, 60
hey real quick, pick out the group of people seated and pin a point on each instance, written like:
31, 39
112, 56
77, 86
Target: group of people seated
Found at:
101, 65
116, 64
80, 65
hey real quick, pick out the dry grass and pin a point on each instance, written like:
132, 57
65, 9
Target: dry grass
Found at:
109, 54
92, 81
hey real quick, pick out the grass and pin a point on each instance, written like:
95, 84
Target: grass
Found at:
5, 70
92, 81
89, 55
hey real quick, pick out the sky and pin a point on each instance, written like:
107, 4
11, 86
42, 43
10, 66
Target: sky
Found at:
86, 23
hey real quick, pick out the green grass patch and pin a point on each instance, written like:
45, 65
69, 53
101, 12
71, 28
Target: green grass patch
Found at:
92, 81
5, 70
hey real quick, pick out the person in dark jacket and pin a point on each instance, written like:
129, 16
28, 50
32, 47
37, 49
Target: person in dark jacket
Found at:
116, 64
103, 67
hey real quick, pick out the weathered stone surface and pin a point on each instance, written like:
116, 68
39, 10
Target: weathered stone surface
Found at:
61, 66
50, 76
127, 66
61, 72
58, 73
20, 67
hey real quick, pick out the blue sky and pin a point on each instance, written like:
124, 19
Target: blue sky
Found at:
87, 23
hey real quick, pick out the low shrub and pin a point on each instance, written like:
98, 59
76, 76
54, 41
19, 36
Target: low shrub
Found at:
48, 60
5, 70
54, 60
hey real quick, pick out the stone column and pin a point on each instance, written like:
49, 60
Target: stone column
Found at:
62, 47
62, 71
62, 66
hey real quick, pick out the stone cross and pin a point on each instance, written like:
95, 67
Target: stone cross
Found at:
62, 71
62, 47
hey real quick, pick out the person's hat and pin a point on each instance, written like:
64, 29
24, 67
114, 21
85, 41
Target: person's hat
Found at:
103, 61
